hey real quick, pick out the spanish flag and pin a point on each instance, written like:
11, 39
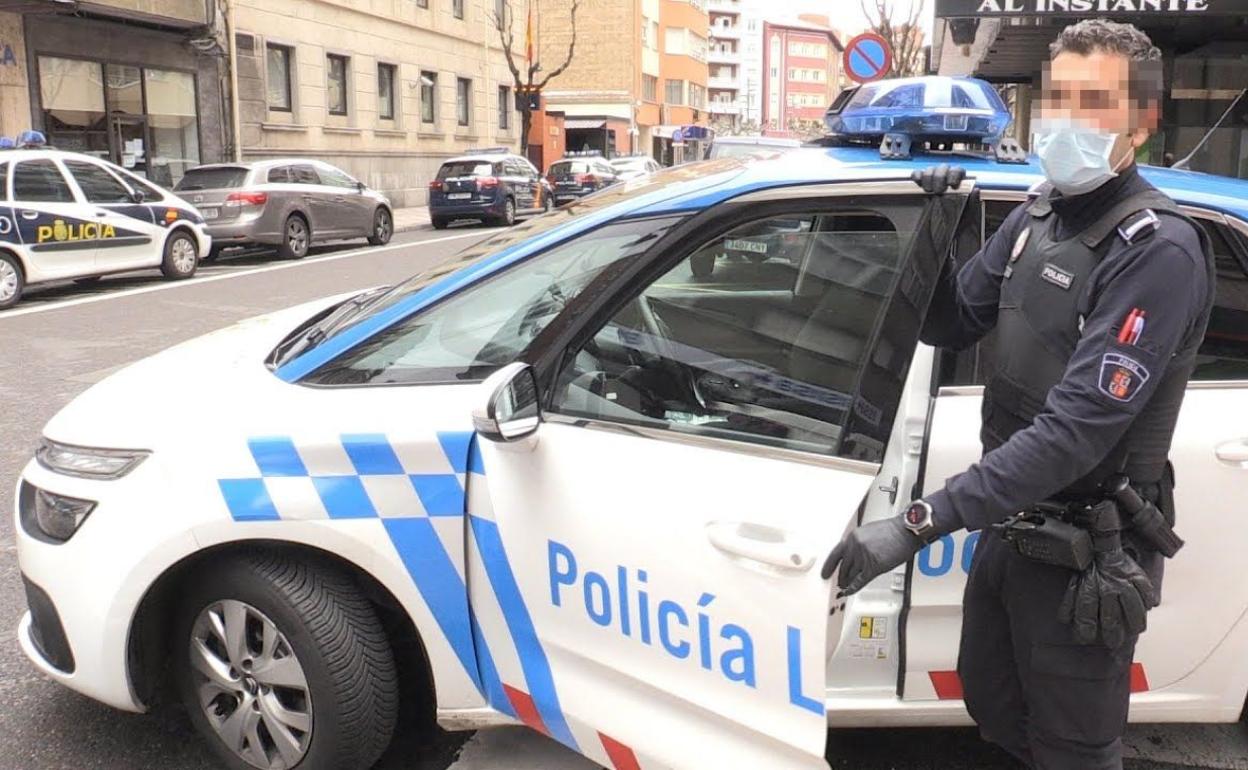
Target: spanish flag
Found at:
528, 33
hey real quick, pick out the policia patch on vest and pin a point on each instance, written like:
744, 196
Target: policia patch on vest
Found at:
1057, 276
1121, 376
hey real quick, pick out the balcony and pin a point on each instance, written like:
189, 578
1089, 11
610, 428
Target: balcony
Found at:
718, 107
725, 31
724, 82
724, 6
716, 56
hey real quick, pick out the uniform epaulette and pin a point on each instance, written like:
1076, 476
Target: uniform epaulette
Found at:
1138, 225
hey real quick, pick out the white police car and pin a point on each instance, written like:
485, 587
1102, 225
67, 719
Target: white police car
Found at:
66, 215
566, 482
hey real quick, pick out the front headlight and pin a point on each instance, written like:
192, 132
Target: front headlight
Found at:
86, 462
51, 517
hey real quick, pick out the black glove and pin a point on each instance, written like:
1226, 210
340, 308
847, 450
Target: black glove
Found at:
870, 551
938, 179
1109, 600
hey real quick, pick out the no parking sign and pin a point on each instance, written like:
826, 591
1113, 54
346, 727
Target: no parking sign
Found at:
867, 57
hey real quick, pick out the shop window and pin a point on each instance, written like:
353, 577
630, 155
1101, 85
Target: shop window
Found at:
173, 124
124, 88
385, 91
428, 96
97, 184
504, 108
72, 96
463, 101
40, 181
336, 84
278, 59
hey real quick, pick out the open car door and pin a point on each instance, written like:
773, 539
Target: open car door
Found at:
650, 503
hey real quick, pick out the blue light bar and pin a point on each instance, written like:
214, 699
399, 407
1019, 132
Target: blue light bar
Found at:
929, 108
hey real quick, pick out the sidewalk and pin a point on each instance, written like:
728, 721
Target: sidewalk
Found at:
415, 218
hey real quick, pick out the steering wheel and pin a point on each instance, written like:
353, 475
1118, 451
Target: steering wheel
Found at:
664, 355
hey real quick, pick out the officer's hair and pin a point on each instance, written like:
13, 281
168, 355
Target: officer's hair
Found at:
1105, 36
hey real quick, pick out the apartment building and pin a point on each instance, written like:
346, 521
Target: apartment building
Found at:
735, 59
802, 66
385, 89
638, 81
137, 82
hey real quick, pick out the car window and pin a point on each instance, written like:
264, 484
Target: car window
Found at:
280, 175
212, 178
304, 174
150, 191
463, 168
760, 335
40, 181
487, 326
97, 184
335, 177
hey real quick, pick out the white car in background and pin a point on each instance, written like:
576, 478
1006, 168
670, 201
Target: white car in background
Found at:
634, 167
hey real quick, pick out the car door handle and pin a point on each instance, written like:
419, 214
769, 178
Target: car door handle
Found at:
101, 213
1234, 452
30, 214
340, 199
758, 543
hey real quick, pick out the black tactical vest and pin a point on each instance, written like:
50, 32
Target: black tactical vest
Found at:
1043, 301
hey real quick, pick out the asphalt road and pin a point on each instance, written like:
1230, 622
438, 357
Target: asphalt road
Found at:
63, 338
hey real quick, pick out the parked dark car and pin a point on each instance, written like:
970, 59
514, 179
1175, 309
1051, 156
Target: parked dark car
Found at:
289, 203
574, 178
493, 187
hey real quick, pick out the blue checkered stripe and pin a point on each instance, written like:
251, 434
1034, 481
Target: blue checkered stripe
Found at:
359, 477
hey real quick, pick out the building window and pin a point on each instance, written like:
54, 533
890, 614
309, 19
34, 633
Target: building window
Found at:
422, 3
457, 8
649, 88
463, 101
428, 96
504, 108
278, 58
385, 91
336, 83
697, 96
674, 92
173, 124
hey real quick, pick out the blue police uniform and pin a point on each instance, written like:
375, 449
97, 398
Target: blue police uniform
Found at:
1100, 302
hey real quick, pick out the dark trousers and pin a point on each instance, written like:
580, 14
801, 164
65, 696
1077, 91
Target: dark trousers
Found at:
1051, 702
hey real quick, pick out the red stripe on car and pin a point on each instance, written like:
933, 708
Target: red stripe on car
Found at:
620, 755
947, 684
525, 708
1139, 681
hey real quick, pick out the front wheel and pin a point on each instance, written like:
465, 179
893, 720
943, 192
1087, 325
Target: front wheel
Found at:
12, 281
383, 227
283, 664
181, 256
296, 238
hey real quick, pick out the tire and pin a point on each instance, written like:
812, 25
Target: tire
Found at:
339, 698
181, 256
383, 227
508, 217
296, 238
12, 280
439, 224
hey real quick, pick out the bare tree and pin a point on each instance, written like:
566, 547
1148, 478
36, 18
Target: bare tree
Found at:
904, 35
526, 65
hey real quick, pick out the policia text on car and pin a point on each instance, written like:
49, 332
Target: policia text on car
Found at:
1100, 290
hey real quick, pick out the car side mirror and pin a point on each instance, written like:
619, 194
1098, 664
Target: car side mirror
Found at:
137, 196
510, 411
360, 186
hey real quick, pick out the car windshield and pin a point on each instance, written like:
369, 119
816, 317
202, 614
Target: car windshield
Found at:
569, 167
214, 178
630, 164
704, 174
463, 168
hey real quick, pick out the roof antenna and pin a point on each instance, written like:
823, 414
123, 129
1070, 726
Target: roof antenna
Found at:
1182, 164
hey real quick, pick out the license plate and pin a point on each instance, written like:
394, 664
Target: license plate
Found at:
568, 184
458, 196
751, 246
210, 213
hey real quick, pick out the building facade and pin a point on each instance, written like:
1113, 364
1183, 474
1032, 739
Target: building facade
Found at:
801, 75
137, 82
638, 79
385, 89
1204, 46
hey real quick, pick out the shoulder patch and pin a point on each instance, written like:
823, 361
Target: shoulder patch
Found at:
1138, 225
1121, 376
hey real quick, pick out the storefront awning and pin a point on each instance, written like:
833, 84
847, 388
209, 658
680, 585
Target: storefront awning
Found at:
570, 125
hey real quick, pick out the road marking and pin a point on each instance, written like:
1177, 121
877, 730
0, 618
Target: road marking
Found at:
102, 296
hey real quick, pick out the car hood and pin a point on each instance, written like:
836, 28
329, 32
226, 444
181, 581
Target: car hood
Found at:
195, 385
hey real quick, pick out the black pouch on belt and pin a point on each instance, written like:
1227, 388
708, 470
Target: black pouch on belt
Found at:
1042, 535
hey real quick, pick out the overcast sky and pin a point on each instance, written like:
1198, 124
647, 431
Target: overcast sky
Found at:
847, 15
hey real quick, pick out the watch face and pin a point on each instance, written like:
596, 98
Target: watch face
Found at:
916, 515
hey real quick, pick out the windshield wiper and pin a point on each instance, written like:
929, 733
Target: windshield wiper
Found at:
324, 328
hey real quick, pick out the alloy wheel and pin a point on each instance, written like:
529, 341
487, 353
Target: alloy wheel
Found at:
297, 236
381, 227
251, 685
184, 256
8, 281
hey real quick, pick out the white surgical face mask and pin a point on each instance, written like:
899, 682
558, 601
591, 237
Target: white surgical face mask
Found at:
1074, 156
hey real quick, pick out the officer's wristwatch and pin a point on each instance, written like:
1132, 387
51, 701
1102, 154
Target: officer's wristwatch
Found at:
918, 519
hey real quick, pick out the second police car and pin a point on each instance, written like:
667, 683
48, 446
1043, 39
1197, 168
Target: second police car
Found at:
66, 215
567, 482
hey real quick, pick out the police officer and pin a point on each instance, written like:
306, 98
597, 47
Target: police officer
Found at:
1100, 291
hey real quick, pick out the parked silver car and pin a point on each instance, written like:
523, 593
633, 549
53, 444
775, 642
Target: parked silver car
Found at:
289, 203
